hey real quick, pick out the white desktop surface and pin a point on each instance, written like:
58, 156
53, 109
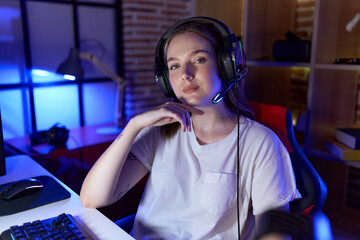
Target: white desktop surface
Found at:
98, 225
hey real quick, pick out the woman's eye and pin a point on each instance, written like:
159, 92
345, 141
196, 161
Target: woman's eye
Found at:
174, 66
200, 60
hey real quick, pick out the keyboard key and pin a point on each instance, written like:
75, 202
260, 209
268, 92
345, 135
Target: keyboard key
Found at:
62, 227
66, 232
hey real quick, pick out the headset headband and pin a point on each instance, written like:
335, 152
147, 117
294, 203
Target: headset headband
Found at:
224, 30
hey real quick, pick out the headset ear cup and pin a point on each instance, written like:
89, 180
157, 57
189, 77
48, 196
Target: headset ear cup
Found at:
226, 58
162, 78
226, 65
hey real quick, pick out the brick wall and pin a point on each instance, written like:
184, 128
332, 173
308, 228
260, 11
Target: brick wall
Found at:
144, 21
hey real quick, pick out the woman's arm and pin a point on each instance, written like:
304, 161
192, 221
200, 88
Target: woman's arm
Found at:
116, 171
102, 185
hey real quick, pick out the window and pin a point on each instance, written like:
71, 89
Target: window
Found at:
35, 37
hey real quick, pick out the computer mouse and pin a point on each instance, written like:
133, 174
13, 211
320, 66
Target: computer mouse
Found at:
21, 188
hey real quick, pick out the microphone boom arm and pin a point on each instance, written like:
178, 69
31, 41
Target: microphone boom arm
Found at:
240, 74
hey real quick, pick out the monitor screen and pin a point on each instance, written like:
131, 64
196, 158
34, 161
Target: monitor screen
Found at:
2, 151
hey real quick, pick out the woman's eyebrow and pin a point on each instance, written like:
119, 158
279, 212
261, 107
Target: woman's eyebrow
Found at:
191, 54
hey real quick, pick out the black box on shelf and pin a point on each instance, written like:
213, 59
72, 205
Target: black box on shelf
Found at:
292, 50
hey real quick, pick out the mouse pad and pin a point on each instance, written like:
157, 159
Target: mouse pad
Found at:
52, 191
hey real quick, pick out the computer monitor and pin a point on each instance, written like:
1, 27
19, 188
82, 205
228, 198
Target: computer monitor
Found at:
2, 151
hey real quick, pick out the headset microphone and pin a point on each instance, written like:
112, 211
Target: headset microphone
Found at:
241, 73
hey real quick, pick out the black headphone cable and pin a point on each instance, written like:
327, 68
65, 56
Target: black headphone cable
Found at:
238, 161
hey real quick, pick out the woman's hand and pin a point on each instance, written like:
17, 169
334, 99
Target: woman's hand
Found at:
168, 113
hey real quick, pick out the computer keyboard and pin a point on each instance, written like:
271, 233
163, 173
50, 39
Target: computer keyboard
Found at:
61, 227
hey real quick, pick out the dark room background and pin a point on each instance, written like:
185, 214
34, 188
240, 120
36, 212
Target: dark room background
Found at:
36, 36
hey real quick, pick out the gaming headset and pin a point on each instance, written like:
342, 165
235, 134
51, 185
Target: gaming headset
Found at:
57, 136
231, 66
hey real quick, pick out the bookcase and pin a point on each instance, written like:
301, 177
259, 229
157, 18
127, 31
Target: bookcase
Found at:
329, 99
332, 89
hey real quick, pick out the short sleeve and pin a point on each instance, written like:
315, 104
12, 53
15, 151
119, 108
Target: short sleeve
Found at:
273, 183
145, 145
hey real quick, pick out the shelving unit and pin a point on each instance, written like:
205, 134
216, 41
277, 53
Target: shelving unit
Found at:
332, 88
324, 92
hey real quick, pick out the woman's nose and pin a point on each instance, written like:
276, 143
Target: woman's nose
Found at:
188, 72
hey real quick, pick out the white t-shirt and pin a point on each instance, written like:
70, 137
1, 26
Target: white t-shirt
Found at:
191, 190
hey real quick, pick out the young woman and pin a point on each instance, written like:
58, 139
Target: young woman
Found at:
213, 170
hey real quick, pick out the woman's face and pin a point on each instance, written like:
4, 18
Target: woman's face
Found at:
193, 69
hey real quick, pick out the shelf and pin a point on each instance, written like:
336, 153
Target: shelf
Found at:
262, 63
331, 66
346, 67
323, 154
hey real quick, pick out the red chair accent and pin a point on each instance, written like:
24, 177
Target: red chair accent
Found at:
309, 183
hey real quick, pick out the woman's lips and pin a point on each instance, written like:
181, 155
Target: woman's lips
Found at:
190, 89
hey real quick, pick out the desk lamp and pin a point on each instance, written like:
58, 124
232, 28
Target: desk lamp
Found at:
72, 66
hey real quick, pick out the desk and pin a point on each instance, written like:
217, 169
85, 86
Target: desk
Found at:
79, 138
70, 163
22, 166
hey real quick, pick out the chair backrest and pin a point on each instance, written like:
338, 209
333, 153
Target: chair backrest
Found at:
309, 183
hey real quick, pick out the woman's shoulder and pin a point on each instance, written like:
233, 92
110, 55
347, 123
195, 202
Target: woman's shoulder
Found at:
255, 127
258, 133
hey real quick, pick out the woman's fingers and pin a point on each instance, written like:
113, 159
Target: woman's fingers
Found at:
181, 115
183, 112
168, 113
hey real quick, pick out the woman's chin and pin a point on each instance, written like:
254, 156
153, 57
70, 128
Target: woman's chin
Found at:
195, 101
